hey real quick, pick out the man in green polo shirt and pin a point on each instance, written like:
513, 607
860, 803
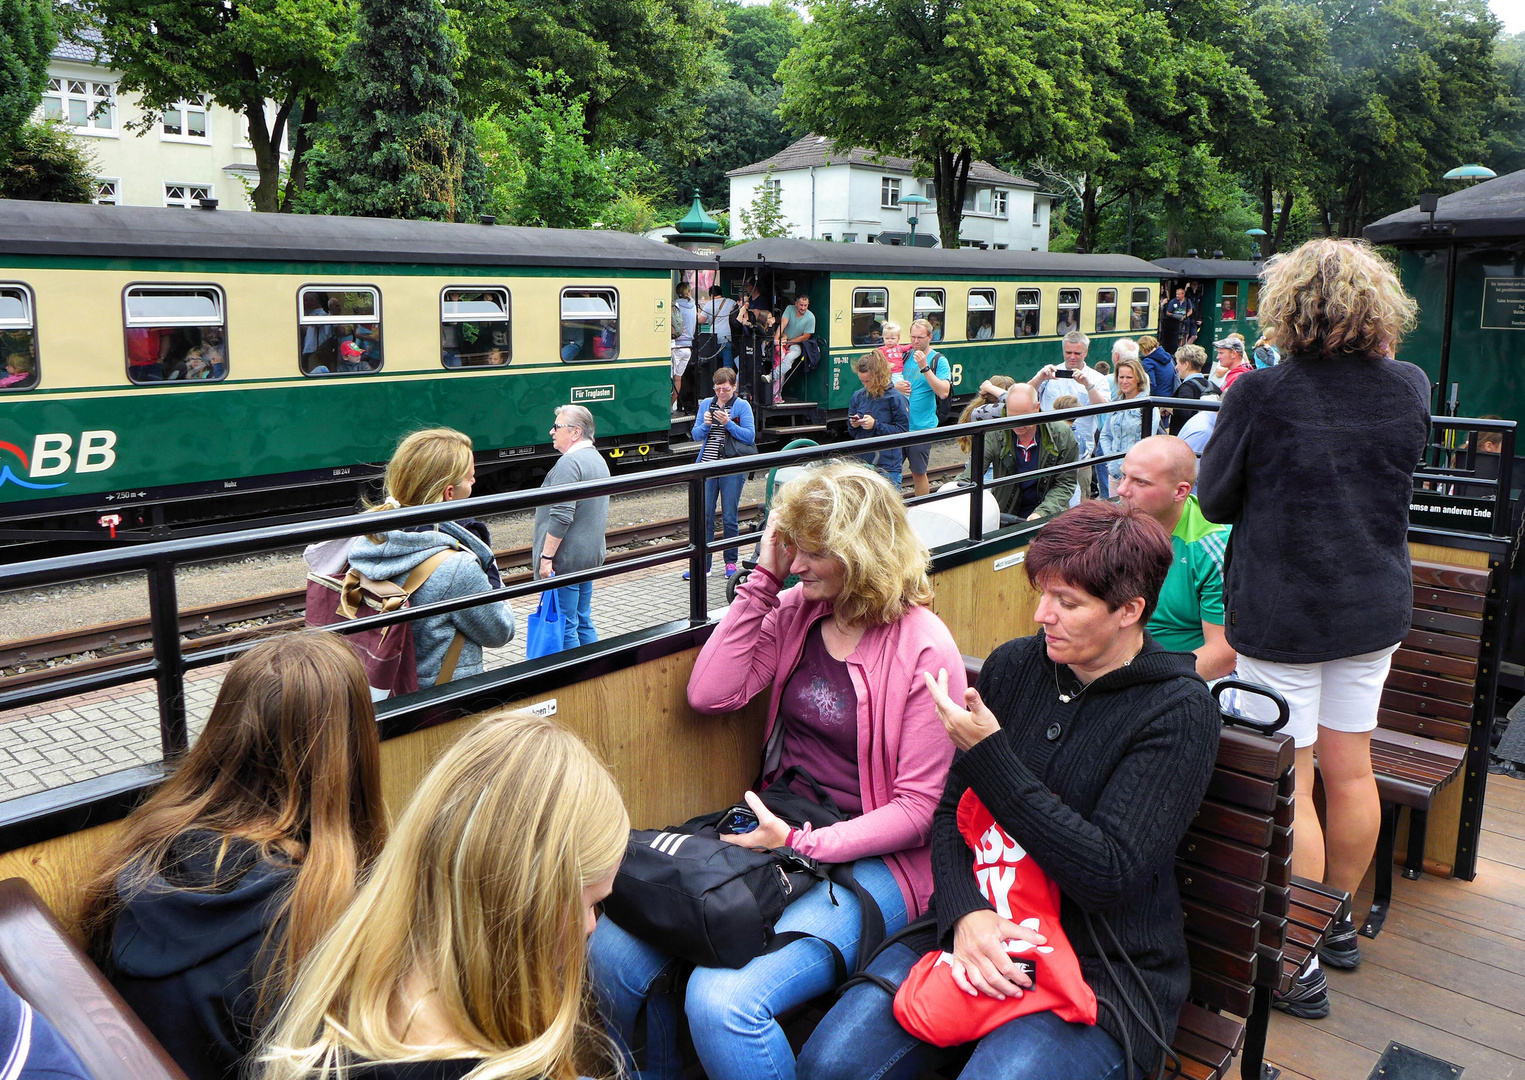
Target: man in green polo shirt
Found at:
1158, 476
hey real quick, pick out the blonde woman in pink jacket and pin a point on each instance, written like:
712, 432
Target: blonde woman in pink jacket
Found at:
841, 655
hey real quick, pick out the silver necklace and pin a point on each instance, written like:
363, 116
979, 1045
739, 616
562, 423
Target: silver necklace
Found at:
1065, 699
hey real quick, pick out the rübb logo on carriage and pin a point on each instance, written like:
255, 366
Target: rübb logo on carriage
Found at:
58, 453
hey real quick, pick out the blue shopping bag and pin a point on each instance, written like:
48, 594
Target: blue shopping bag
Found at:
542, 634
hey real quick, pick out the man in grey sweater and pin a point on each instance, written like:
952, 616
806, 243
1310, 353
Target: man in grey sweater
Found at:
569, 535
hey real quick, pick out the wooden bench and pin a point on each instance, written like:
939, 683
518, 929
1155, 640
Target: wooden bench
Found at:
1425, 720
49, 971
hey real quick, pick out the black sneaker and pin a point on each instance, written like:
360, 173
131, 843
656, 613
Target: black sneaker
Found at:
1309, 998
1340, 948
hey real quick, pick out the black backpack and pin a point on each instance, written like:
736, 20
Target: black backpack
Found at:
715, 904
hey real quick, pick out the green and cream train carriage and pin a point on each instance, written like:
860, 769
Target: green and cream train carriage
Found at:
996, 312
181, 355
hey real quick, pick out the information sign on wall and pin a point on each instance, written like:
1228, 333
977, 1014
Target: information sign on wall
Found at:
1504, 303
583, 394
1459, 513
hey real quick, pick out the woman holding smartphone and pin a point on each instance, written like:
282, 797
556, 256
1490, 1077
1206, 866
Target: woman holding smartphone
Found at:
878, 409
724, 428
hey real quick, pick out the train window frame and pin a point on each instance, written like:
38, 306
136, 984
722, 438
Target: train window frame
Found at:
864, 308
941, 310
1028, 300
448, 319
1229, 294
561, 311
131, 322
1069, 300
1135, 305
25, 323
1101, 305
988, 295
1252, 301
305, 320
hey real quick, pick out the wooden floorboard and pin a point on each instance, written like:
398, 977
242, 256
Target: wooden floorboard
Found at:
1446, 975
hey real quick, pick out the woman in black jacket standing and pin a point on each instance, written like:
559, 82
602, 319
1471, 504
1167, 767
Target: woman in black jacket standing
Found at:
1091, 747
1312, 462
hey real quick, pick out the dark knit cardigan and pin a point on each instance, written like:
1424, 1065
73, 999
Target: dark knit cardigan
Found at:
1312, 463
1099, 792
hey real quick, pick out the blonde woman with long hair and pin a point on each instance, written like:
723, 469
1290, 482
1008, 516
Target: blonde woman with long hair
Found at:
1120, 430
1312, 462
217, 887
840, 656
463, 955
431, 466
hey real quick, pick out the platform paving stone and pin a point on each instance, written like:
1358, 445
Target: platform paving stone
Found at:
66, 741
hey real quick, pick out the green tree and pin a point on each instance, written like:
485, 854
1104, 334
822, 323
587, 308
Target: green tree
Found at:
241, 53
27, 37
399, 146
763, 216
48, 164
739, 126
947, 83
757, 39
629, 59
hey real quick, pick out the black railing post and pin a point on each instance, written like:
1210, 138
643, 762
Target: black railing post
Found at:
698, 585
1145, 420
977, 496
1501, 496
164, 621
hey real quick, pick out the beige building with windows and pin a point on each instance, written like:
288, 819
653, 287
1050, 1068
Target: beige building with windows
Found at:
194, 150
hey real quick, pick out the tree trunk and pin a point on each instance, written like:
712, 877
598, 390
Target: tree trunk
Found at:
1173, 246
1282, 221
1090, 215
301, 143
1267, 194
1132, 206
950, 176
266, 141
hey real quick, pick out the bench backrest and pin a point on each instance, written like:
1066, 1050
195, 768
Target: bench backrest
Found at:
1433, 683
44, 965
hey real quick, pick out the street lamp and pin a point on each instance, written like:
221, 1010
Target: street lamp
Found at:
1470, 172
1255, 235
914, 201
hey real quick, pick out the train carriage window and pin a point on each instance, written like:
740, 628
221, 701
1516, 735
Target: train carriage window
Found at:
871, 308
1029, 307
176, 333
1138, 314
932, 305
1252, 300
981, 314
1069, 311
18, 338
338, 330
1106, 310
1230, 309
590, 324
474, 328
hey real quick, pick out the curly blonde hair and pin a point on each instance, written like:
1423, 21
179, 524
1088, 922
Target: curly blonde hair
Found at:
1331, 297
849, 511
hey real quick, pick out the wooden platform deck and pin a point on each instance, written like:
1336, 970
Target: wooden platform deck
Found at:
1446, 975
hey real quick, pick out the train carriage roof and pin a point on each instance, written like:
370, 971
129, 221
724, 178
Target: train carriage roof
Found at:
43, 228
824, 256
1492, 210
1211, 268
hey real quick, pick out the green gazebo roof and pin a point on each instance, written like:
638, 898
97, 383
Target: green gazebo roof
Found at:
696, 222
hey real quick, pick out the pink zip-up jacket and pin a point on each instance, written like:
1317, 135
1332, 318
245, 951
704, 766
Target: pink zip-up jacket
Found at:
903, 751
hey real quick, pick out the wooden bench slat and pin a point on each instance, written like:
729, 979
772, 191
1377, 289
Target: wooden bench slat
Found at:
1192, 1069
1253, 753
1235, 967
1213, 1055
1225, 855
1268, 967
1214, 888
1228, 928
1414, 682
1281, 841
1413, 770
1420, 705
1434, 747
1222, 994
1236, 787
1278, 899
1451, 599
1447, 622
1285, 812
1245, 826
1443, 643
1455, 666
1211, 1026
1469, 579
1278, 870
1429, 726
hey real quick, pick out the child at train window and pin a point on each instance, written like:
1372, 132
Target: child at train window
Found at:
214, 890
495, 358
19, 370
194, 366
216, 351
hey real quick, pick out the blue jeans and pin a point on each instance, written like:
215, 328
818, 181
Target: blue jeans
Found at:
860, 1039
731, 1010
728, 488
576, 603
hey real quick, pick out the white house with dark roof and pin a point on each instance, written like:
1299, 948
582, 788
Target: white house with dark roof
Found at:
855, 198
195, 150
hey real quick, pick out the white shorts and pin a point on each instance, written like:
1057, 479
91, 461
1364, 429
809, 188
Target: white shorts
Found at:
1342, 695
680, 358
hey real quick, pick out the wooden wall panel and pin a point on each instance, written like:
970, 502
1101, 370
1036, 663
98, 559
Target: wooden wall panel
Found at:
1454, 556
58, 869
983, 606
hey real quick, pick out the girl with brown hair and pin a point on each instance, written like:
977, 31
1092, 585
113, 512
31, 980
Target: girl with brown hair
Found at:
878, 409
220, 884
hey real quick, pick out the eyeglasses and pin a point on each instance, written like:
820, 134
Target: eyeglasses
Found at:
562, 427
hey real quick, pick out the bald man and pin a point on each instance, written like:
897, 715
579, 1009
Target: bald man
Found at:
1158, 475
1027, 449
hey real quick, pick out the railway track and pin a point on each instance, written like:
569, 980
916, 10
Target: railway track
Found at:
30, 661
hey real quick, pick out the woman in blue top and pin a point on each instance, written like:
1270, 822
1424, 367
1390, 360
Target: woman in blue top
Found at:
878, 409
724, 429
1120, 430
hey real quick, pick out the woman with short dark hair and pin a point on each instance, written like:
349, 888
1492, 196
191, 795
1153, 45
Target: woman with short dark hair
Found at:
1090, 747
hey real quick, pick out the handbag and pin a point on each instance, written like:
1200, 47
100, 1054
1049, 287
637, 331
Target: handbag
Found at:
543, 629
715, 904
930, 1005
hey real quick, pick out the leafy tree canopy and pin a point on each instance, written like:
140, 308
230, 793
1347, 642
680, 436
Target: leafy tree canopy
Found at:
241, 53
27, 37
757, 39
48, 164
